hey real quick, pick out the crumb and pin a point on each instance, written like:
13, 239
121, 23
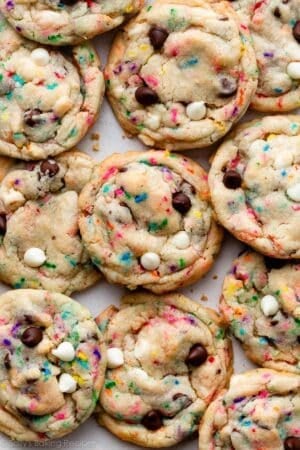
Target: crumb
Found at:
204, 298
95, 136
96, 148
215, 277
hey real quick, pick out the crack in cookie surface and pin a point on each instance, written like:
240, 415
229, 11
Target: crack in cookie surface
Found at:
39, 216
176, 358
46, 393
146, 220
255, 185
180, 74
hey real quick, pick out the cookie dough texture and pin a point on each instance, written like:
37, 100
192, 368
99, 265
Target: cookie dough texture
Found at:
48, 99
270, 341
39, 204
271, 23
260, 410
68, 21
155, 335
262, 209
32, 406
127, 211
206, 58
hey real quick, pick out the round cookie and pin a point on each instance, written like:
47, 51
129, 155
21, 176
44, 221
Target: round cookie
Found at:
181, 73
275, 29
167, 358
48, 99
146, 220
65, 22
260, 303
255, 185
260, 411
52, 365
40, 243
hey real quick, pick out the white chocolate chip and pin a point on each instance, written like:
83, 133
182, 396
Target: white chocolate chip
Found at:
40, 56
152, 121
150, 261
293, 70
67, 383
269, 305
12, 197
293, 192
181, 240
65, 351
196, 110
115, 358
34, 257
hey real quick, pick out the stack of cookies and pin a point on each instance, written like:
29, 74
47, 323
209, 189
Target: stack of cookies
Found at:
157, 369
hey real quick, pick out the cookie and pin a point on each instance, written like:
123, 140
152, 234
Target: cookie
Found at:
255, 185
40, 243
260, 411
48, 100
181, 73
146, 220
65, 22
167, 358
275, 29
260, 303
52, 365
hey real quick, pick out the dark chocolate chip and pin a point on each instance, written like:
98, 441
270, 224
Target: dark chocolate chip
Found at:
197, 355
292, 443
32, 117
32, 336
232, 179
152, 420
3, 224
277, 13
7, 361
296, 31
181, 202
49, 168
227, 86
157, 36
146, 96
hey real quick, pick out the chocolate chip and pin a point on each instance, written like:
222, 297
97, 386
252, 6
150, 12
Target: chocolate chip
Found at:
7, 361
292, 443
296, 31
232, 179
181, 202
157, 36
227, 86
197, 355
146, 96
32, 336
32, 117
3, 224
49, 168
152, 420
277, 13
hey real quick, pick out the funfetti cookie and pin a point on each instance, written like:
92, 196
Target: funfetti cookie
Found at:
181, 73
255, 185
146, 220
260, 303
260, 411
167, 358
52, 365
48, 100
65, 22
275, 29
40, 243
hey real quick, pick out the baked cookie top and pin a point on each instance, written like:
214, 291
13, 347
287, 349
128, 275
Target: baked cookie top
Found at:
167, 358
40, 243
146, 220
48, 99
260, 410
260, 301
275, 29
181, 73
255, 185
65, 22
52, 364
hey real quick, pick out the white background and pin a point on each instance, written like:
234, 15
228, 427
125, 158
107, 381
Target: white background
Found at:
112, 139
